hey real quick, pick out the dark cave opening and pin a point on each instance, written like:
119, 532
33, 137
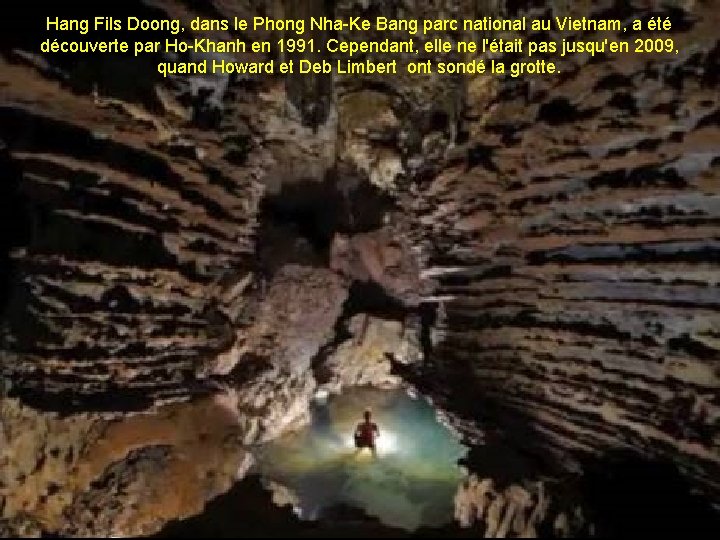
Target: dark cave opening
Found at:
293, 227
369, 297
299, 220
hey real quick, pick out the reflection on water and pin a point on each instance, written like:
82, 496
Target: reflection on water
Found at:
410, 483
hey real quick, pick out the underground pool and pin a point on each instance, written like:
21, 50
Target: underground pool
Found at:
409, 483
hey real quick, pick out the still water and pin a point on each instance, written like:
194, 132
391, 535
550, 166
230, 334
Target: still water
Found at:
410, 483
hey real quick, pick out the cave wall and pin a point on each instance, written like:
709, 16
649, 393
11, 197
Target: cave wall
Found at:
132, 262
134, 254
576, 251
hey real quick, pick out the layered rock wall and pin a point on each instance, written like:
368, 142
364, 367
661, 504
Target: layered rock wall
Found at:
130, 260
576, 251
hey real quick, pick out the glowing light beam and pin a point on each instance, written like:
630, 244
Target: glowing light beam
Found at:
385, 443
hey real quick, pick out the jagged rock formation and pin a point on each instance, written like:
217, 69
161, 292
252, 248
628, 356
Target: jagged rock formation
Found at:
576, 252
193, 242
134, 257
367, 357
86, 475
296, 317
516, 511
378, 257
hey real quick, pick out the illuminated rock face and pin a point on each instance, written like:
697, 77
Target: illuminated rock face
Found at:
367, 357
516, 512
565, 229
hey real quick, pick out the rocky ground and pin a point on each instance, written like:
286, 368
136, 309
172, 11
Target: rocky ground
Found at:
185, 262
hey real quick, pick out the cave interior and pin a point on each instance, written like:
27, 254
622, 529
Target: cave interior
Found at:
205, 280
